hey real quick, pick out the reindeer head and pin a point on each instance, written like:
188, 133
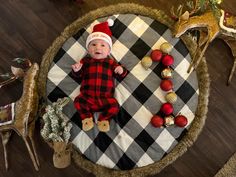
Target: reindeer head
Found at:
182, 19
181, 26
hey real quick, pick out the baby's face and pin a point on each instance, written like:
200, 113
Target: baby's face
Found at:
98, 49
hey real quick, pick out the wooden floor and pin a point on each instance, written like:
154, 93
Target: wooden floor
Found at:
28, 28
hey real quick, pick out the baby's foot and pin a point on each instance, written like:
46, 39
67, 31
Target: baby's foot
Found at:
87, 124
103, 126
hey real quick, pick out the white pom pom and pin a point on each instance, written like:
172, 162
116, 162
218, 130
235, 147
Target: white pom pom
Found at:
110, 22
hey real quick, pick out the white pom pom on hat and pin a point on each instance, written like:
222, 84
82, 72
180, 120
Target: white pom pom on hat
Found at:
101, 31
110, 22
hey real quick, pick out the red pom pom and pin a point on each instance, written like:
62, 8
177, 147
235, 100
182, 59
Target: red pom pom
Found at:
181, 121
167, 60
157, 121
167, 108
166, 85
156, 55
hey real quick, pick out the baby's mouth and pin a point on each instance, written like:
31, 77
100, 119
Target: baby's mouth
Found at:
97, 53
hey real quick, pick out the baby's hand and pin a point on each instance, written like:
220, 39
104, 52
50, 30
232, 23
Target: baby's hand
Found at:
76, 67
119, 70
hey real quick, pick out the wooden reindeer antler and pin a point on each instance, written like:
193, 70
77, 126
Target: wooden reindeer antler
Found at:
176, 14
192, 9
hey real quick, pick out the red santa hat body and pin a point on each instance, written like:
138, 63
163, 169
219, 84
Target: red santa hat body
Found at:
101, 31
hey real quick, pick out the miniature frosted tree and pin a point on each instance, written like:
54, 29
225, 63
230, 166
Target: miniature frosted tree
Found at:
56, 125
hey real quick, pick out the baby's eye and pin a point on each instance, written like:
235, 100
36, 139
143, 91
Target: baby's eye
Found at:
103, 45
93, 44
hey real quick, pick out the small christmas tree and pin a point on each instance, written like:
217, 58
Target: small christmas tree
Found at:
56, 125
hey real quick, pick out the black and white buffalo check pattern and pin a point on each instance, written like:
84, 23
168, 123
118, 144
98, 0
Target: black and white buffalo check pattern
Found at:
132, 141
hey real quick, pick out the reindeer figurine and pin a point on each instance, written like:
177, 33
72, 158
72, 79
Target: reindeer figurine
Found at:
223, 26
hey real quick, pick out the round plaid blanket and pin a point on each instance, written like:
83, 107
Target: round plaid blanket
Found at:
132, 141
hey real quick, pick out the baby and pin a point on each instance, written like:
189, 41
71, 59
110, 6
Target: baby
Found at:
97, 73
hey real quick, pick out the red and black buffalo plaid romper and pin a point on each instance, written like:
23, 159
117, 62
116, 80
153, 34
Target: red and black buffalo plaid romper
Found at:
97, 88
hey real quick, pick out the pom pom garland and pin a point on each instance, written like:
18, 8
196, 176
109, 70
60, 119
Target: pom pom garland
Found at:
171, 97
156, 55
181, 121
169, 120
166, 85
146, 62
166, 47
166, 73
167, 60
157, 121
166, 110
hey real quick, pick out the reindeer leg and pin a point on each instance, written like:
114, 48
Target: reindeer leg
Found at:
197, 58
193, 60
232, 72
31, 153
5, 138
203, 38
201, 55
31, 134
231, 42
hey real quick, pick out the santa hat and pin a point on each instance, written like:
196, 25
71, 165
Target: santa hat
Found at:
101, 31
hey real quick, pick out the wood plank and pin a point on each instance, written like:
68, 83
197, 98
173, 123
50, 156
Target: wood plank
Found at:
28, 28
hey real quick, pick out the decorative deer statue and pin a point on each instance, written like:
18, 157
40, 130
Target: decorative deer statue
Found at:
223, 27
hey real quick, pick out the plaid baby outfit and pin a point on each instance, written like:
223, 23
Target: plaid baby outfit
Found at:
97, 88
